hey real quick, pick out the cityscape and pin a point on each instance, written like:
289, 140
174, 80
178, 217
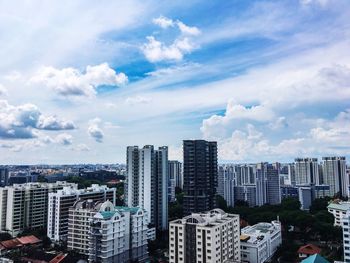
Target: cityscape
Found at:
153, 209
185, 131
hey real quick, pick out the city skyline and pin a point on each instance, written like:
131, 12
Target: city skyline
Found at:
261, 79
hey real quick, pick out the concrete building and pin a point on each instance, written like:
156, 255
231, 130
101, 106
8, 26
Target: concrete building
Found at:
334, 175
118, 235
306, 171
60, 202
200, 175
306, 196
259, 242
211, 236
146, 183
246, 193
26, 205
338, 209
175, 171
346, 236
175, 178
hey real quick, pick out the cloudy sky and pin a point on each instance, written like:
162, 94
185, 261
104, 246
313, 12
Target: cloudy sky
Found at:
80, 80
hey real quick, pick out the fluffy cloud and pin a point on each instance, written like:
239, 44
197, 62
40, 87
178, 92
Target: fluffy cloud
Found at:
95, 131
163, 22
72, 82
251, 144
217, 126
23, 121
156, 51
64, 139
189, 30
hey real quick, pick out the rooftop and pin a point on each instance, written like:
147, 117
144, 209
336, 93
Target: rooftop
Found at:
343, 206
309, 249
315, 259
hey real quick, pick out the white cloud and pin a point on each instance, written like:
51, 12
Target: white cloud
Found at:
64, 139
163, 22
217, 126
189, 30
3, 90
95, 131
156, 51
72, 82
23, 121
53, 123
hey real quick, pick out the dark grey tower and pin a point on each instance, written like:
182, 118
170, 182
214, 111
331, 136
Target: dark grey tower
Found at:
200, 175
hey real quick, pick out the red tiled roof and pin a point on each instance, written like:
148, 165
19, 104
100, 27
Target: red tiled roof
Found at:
309, 249
58, 258
12, 243
29, 240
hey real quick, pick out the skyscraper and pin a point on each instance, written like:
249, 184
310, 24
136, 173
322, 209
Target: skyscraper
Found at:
306, 171
200, 175
147, 182
334, 175
175, 171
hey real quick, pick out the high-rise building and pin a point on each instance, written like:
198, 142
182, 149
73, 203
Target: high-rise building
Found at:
62, 200
4, 176
211, 236
307, 171
26, 205
175, 171
200, 175
261, 184
147, 182
175, 178
273, 185
246, 193
259, 242
334, 175
229, 184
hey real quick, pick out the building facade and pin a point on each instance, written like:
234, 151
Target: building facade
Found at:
211, 236
146, 183
346, 236
334, 175
200, 175
118, 235
60, 202
26, 205
306, 171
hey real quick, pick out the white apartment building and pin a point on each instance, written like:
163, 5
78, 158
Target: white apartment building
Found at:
107, 233
338, 209
118, 235
62, 200
259, 242
211, 236
26, 205
346, 236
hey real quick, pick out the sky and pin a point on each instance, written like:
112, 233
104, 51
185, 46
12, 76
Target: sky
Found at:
81, 80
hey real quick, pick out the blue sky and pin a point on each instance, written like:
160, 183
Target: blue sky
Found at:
81, 80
